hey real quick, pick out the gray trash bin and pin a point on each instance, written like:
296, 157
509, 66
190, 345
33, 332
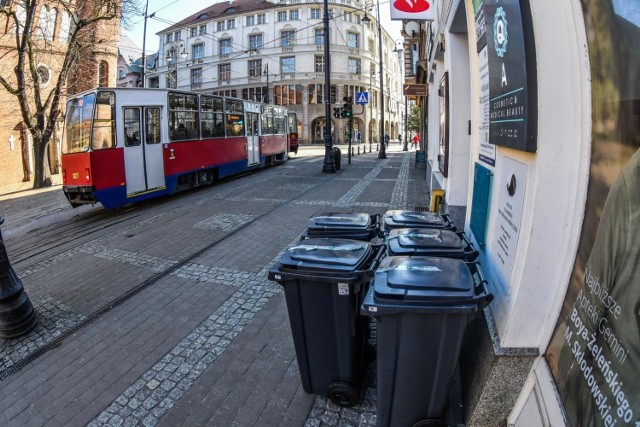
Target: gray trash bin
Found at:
357, 226
422, 306
337, 157
416, 219
430, 242
324, 283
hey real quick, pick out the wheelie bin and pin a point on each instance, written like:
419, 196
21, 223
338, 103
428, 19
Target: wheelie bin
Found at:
416, 219
337, 157
422, 306
357, 226
324, 283
430, 242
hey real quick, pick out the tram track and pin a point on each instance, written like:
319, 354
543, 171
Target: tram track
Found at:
25, 252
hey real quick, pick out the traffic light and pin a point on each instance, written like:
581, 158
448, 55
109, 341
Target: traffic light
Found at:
348, 106
343, 112
336, 112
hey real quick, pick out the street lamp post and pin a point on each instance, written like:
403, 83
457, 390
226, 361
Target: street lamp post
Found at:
329, 165
266, 70
183, 54
405, 146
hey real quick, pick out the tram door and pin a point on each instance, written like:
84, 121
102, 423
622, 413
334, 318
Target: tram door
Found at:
253, 138
144, 168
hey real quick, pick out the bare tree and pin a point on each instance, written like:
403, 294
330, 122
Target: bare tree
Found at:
29, 42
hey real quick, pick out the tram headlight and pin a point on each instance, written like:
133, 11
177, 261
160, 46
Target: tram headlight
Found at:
87, 174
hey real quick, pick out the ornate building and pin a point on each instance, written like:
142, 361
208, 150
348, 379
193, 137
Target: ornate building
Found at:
96, 67
275, 52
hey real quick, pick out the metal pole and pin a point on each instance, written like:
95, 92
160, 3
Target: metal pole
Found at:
382, 154
267, 97
329, 165
406, 138
144, 44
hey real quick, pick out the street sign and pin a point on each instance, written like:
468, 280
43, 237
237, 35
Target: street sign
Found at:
362, 98
414, 90
418, 10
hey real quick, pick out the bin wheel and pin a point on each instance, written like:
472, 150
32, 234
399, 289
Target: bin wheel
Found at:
369, 353
430, 423
342, 394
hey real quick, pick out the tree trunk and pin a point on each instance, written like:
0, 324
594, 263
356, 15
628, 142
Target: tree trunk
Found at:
42, 170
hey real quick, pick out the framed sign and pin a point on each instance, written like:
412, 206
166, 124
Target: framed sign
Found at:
443, 150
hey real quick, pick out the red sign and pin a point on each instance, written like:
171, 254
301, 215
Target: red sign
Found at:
415, 10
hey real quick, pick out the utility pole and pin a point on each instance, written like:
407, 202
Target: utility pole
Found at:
144, 43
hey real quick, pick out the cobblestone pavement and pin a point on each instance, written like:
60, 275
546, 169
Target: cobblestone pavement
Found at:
208, 342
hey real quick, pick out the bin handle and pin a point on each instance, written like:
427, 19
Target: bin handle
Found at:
469, 249
482, 295
449, 224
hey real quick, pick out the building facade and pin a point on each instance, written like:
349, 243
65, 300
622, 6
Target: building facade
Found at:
97, 67
270, 52
532, 131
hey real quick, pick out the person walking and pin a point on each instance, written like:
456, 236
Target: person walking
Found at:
400, 139
416, 140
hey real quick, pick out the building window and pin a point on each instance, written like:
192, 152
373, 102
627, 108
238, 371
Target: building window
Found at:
316, 93
319, 64
203, 29
318, 36
254, 94
177, 35
196, 77
371, 45
251, 20
103, 74
225, 46
294, 15
193, 31
231, 24
171, 56
282, 16
224, 72
354, 66
198, 51
220, 26
168, 38
288, 65
262, 19
255, 67
288, 38
256, 41
288, 94
352, 40
154, 82
316, 14
122, 74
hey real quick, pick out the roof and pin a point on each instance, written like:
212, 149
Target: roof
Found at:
219, 10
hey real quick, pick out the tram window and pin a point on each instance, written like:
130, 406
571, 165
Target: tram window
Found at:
280, 123
211, 117
131, 127
78, 124
183, 116
152, 125
267, 123
235, 125
104, 122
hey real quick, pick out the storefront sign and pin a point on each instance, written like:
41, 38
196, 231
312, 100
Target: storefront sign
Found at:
511, 182
478, 12
414, 90
508, 76
413, 10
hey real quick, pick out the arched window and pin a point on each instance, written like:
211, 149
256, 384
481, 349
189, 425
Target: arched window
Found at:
103, 74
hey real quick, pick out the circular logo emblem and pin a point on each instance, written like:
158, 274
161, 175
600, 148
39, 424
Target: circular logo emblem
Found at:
500, 32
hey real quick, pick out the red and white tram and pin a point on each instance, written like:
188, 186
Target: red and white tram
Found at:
124, 145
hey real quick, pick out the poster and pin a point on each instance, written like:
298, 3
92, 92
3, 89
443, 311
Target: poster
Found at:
487, 152
511, 182
594, 353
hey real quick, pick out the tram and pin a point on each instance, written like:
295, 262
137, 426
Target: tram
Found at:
125, 145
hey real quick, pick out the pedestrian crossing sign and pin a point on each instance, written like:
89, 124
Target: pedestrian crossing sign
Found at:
362, 98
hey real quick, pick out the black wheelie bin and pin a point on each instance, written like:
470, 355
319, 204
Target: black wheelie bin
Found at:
416, 219
430, 242
356, 226
422, 306
324, 283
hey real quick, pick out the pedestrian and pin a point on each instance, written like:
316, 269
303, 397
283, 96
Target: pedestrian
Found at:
400, 139
359, 137
386, 140
416, 140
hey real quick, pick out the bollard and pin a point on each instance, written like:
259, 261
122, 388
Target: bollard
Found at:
358, 150
17, 316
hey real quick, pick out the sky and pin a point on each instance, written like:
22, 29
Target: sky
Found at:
168, 12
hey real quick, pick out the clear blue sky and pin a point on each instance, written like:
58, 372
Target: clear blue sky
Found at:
169, 12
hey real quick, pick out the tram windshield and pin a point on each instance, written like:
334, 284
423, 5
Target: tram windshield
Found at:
78, 124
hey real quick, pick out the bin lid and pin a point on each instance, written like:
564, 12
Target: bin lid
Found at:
429, 280
405, 218
325, 255
339, 221
411, 240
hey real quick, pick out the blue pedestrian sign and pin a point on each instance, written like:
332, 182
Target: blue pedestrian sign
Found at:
362, 98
